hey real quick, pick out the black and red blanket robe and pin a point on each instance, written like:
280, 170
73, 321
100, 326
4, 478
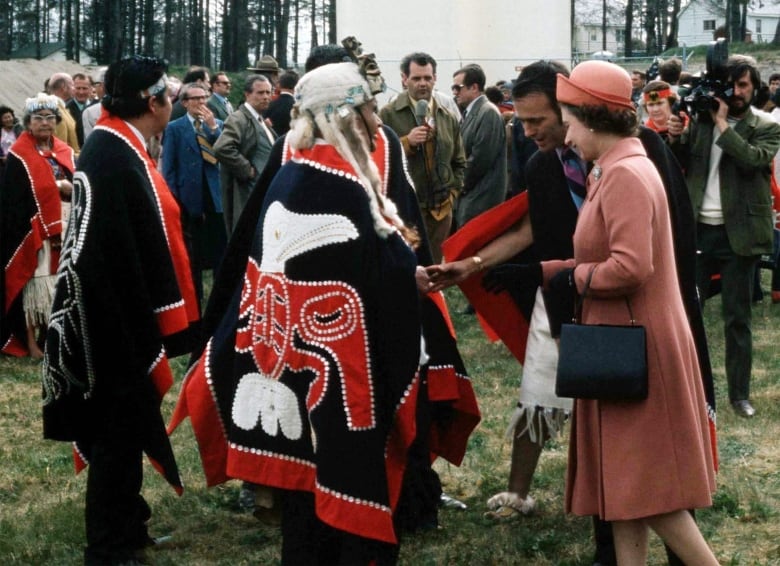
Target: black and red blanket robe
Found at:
124, 302
30, 212
456, 413
310, 380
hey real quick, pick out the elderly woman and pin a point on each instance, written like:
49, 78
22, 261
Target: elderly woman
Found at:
314, 364
33, 211
644, 463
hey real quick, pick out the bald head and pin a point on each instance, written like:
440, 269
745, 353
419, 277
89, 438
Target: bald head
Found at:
61, 84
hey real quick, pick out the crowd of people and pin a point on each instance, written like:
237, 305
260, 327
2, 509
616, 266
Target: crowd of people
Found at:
323, 371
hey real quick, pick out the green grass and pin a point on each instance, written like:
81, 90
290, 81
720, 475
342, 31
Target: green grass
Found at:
41, 501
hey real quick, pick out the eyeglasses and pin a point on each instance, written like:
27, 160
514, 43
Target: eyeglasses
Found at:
456, 88
44, 117
227, 83
196, 98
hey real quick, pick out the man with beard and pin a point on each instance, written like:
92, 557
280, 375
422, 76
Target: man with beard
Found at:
729, 154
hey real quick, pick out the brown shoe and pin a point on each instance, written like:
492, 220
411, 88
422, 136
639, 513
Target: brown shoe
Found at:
743, 408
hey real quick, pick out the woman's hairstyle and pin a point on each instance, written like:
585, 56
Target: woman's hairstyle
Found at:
5, 110
621, 122
131, 82
40, 101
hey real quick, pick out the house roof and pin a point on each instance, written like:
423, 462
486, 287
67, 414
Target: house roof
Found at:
30, 51
23, 78
718, 8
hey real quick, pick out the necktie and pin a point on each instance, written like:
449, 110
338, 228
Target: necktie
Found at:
575, 175
206, 149
265, 129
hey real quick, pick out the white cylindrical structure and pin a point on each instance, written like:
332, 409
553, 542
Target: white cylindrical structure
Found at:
500, 36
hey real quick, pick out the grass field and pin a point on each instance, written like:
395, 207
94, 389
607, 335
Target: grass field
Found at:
41, 501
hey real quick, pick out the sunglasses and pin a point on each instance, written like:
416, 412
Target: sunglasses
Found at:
457, 88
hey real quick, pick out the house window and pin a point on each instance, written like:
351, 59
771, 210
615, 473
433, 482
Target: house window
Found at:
758, 26
593, 36
709, 25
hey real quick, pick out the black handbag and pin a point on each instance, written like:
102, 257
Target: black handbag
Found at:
600, 361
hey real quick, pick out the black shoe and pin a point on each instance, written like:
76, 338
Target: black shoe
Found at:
743, 408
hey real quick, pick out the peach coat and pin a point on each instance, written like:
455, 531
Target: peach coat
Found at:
629, 460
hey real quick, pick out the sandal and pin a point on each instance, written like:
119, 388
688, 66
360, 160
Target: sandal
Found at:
506, 505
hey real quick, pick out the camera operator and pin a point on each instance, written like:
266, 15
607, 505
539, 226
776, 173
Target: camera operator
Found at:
728, 152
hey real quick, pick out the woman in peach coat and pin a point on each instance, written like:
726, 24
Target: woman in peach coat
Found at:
644, 463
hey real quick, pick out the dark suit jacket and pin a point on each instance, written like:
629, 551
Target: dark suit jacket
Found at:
218, 107
185, 169
279, 112
75, 111
484, 141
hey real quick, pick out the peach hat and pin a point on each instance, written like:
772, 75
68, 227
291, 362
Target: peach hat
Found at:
596, 83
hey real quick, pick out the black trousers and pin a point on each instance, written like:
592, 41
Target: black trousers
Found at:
115, 513
307, 541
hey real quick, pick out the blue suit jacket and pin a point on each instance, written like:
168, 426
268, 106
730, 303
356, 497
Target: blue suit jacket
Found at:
185, 169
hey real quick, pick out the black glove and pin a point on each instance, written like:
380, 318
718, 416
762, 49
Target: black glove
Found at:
559, 300
513, 277
520, 280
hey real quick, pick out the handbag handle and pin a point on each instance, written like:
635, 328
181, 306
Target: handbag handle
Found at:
581, 299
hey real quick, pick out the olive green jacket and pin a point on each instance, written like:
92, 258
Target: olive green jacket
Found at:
745, 168
432, 187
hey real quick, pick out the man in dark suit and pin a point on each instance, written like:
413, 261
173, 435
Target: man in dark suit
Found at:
82, 89
220, 91
484, 141
191, 171
244, 147
279, 110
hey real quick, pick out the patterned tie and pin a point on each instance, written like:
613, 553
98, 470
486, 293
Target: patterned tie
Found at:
575, 175
206, 149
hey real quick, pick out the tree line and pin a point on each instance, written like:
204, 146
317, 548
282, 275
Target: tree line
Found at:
226, 33
221, 34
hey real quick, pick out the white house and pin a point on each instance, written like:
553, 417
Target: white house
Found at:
500, 36
699, 19
588, 29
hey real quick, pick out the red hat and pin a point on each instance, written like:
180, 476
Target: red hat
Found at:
596, 83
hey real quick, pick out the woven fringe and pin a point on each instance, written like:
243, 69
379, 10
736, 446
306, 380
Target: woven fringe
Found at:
37, 300
554, 419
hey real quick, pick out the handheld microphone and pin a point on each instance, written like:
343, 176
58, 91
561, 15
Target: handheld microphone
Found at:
420, 111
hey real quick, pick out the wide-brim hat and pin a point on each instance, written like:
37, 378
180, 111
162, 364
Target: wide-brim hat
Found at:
596, 83
267, 64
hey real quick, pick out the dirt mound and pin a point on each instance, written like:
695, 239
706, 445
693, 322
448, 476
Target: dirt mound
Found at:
23, 78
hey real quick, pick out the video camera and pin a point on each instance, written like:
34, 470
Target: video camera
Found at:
701, 95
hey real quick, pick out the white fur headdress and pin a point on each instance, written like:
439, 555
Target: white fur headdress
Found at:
325, 101
41, 101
